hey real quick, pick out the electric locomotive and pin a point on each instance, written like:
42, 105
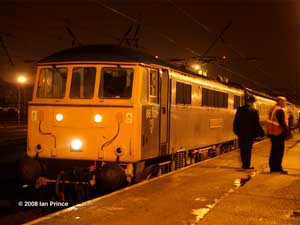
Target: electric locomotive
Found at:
107, 115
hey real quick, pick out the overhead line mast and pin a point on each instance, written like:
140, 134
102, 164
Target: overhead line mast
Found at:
3, 45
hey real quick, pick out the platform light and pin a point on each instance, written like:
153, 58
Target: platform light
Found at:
21, 80
59, 117
76, 145
98, 118
196, 66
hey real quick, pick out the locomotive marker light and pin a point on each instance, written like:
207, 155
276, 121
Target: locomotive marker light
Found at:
59, 117
98, 118
76, 145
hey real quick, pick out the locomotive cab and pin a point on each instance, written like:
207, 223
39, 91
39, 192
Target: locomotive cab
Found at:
78, 111
86, 114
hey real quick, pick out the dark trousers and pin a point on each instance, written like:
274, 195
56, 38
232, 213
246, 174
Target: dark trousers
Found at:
276, 154
245, 144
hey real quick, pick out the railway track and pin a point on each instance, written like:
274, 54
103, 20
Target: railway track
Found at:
13, 135
18, 203
12, 150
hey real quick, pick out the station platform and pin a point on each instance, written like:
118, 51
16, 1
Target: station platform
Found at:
212, 192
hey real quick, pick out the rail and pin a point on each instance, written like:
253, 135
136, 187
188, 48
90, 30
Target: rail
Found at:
13, 134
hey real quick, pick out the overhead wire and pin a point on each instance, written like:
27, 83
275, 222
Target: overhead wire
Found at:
118, 12
230, 46
174, 42
171, 40
132, 19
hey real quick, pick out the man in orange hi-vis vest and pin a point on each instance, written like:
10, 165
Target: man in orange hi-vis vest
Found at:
277, 129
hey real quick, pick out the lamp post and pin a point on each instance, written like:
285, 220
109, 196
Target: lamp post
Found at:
20, 80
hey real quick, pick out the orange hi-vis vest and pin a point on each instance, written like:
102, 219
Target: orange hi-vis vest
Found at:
273, 127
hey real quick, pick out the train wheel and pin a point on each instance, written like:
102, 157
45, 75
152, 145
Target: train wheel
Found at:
110, 177
81, 193
60, 187
29, 170
150, 171
197, 157
138, 172
225, 148
218, 150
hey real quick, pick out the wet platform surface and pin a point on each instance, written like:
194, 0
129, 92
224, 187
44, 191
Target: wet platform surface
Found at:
215, 191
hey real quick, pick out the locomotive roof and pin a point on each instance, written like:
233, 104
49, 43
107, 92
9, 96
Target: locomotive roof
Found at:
102, 52
114, 53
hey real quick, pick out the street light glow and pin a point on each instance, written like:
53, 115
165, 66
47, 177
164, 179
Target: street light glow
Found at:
21, 79
197, 67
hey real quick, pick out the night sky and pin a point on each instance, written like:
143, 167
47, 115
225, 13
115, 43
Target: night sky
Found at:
267, 30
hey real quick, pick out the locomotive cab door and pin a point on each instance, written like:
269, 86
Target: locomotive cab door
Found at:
164, 112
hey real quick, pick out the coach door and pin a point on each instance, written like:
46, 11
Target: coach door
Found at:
164, 112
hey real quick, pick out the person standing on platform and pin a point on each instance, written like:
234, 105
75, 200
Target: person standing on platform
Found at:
246, 126
277, 128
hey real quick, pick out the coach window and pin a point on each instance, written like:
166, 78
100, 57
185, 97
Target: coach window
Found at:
183, 93
83, 82
187, 94
116, 82
214, 98
52, 83
236, 101
153, 85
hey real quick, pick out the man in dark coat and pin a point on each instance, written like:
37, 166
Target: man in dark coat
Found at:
246, 126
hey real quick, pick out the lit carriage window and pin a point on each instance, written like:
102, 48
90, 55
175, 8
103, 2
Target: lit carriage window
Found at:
236, 101
116, 82
214, 98
153, 86
52, 83
83, 82
183, 93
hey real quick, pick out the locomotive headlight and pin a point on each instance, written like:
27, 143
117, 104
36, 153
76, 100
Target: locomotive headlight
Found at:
59, 117
98, 118
76, 145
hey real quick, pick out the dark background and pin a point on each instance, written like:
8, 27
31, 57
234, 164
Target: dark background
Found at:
261, 45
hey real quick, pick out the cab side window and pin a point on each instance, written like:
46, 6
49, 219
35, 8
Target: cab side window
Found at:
153, 85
